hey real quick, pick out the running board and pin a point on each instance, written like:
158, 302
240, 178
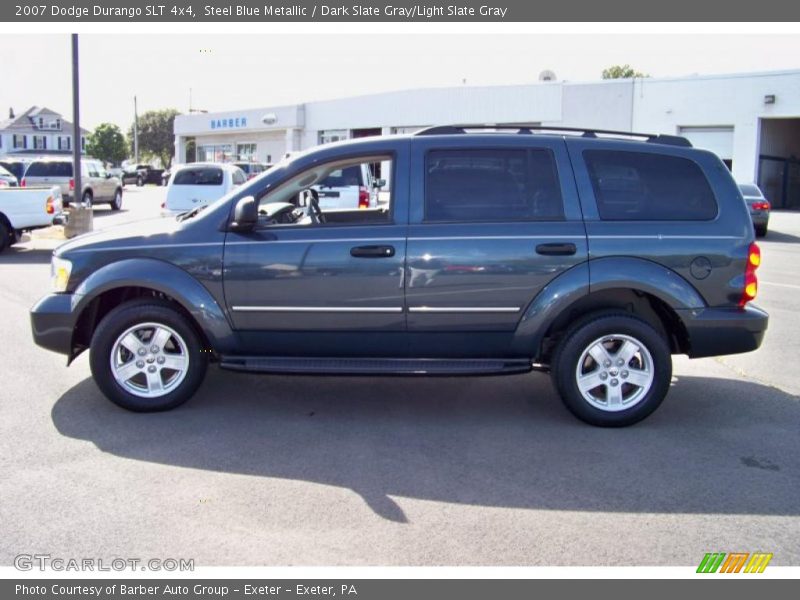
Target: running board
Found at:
375, 366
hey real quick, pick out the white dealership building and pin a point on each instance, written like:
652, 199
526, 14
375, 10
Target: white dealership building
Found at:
751, 120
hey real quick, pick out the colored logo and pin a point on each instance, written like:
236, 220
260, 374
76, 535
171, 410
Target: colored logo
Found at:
734, 562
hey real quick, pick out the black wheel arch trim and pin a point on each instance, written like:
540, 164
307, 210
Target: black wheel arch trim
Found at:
597, 275
165, 278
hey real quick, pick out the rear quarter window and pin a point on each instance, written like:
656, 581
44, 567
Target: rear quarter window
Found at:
198, 176
643, 186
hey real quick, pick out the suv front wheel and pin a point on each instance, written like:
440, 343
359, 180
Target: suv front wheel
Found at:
612, 370
145, 356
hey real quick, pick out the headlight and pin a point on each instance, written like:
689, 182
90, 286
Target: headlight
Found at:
60, 270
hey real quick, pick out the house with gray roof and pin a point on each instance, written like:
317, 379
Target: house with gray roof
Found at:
38, 130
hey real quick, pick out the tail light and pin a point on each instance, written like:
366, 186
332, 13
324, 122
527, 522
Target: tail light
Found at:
363, 197
23, 183
750, 280
48, 207
4, 183
71, 185
761, 205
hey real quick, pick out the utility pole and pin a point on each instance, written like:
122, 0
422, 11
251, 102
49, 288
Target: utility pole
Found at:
135, 132
76, 124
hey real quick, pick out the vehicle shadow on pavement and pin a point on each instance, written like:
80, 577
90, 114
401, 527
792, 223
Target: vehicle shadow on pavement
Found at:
779, 236
715, 446
20, 255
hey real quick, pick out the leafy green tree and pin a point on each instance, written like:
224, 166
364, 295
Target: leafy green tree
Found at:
107, 143
622, 72
156, 137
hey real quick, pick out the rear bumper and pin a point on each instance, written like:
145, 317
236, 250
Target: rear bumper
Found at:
52, 322
719, 331
760, 217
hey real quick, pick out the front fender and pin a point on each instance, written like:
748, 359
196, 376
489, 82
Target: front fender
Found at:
167, 279
612, 273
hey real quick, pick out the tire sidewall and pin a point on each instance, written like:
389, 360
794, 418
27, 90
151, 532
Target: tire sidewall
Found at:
129, 315
116, 203
578, 339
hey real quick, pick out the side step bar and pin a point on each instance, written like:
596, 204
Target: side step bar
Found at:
375, 366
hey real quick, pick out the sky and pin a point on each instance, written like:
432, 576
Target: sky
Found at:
227, 72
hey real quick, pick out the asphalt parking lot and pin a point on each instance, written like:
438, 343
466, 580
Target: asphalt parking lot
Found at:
278, 470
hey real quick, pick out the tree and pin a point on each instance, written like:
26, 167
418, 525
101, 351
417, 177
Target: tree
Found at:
107, 143
156, 137
622, 72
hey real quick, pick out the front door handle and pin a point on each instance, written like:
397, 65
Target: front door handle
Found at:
372, 251
556, 249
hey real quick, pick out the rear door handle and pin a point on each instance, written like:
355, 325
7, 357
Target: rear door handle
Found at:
556, 249
372, 251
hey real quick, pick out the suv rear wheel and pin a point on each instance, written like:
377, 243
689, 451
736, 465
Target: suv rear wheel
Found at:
116, 203
612, 370
146, 356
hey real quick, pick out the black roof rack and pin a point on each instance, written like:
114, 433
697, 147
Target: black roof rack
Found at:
654, 138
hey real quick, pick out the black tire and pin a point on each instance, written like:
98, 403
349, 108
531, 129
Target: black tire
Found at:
140, 312
87, 199
139, 181
580, 337
116, 203
761, 230
5, 236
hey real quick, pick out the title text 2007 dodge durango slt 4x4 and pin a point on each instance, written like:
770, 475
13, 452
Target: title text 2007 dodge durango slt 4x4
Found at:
493, 251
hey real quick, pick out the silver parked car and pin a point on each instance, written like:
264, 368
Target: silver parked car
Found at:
98, 185
758, 206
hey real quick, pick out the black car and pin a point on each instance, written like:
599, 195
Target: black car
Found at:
593, 257
141, 175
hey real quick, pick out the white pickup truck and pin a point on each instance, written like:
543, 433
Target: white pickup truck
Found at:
23, 209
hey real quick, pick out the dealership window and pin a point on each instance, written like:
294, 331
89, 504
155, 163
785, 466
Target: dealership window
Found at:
20, 141
492, 185
332, 135
643, 186
246, 152
344, 192
215, 153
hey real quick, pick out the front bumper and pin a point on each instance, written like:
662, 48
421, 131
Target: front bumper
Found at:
719, 331
53, 322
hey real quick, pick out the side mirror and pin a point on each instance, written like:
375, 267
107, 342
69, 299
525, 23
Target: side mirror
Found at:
379, 183
245, 215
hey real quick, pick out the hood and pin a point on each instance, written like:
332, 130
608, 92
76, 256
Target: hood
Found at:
141, 233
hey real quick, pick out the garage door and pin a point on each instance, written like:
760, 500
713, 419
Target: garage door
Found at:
717, 139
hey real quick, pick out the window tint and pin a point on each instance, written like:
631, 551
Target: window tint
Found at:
491, 185
198, 176
49, 169
638, 186
749, 190
346, 177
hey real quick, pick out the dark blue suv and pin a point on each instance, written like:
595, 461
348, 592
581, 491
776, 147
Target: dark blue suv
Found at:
488, 250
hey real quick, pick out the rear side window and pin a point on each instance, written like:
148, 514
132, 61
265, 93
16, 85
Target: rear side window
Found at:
238, 177
492, 185
346, 177
749, 190
639, 186
198, 176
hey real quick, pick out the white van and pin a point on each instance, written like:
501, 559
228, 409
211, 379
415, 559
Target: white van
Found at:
197, 184
349, 187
